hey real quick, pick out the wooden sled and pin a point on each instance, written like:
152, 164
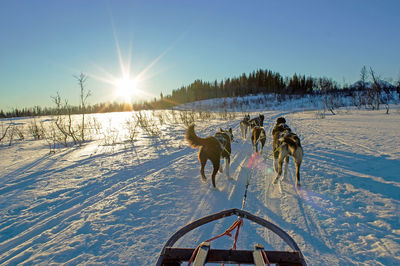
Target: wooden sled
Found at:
171, 256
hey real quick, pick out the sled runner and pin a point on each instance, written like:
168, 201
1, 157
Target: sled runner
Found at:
204, 254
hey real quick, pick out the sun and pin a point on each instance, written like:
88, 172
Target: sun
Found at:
125, 88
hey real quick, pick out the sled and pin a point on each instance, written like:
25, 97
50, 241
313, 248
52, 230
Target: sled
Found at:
171, 256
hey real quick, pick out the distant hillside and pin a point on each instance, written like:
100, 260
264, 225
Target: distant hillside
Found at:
352, 98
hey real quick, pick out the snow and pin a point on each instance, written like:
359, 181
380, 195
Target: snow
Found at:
117, 203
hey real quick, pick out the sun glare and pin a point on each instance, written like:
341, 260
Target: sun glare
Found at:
130, 86
125, 88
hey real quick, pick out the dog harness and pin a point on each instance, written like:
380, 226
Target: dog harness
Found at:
222, 140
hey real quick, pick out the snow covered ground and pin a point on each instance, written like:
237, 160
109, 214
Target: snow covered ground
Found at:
118, 204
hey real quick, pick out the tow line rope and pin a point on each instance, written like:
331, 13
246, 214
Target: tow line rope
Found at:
245, 192
236, 225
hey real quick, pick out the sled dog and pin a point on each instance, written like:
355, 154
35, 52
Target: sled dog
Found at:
285, 143
212, 148
258, 136
257, 121
244, 126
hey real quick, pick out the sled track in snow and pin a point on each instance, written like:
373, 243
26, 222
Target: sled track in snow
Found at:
11, 248
285, 197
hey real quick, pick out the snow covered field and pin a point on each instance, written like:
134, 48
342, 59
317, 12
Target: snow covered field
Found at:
118, 204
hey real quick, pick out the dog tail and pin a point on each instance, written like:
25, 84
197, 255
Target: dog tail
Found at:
194, 140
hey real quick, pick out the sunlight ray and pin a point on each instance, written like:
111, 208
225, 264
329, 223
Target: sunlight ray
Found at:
109, 79
121, 63
158, 58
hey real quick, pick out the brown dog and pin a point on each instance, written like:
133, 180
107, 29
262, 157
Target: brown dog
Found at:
285, 144
212, 148
258, 136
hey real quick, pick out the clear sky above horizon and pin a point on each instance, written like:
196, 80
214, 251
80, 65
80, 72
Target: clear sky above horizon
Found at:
169, 44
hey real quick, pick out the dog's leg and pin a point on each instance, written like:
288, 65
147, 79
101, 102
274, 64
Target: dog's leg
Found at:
275, 152
203, 161
216, 165
286, 167
279, 172
227, 163
297, 161
282, 156
297, 174
221, 162
262, 146
275, 164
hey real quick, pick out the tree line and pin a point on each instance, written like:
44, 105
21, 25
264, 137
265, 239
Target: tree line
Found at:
257, 82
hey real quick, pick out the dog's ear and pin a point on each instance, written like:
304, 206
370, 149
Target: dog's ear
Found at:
230, 129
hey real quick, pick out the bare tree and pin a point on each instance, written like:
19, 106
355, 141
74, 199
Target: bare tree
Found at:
82, 78
326, 85
5, 132
367, 94
377, 88
363, 77
51, 137
60, 123
36, 128
65, 126
388, 93
360, 93
17, 132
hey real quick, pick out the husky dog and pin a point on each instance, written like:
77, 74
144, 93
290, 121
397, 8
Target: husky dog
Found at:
285, 144
257, 121
213, 148
258, 136
244, 126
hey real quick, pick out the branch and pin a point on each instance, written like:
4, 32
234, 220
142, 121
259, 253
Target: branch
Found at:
5, 132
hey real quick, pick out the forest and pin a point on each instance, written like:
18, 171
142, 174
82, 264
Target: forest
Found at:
367, 92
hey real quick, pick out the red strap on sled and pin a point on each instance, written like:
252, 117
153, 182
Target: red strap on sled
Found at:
237, 224
265, 258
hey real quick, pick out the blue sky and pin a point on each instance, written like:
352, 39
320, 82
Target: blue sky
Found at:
172, 43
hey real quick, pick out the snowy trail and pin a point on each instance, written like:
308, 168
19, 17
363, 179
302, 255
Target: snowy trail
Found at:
285, 201
118, 205
65, 211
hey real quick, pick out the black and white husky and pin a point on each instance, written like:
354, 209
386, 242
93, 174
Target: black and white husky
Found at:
285, 143
258, 137
244, 126
213, 148
257, 121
